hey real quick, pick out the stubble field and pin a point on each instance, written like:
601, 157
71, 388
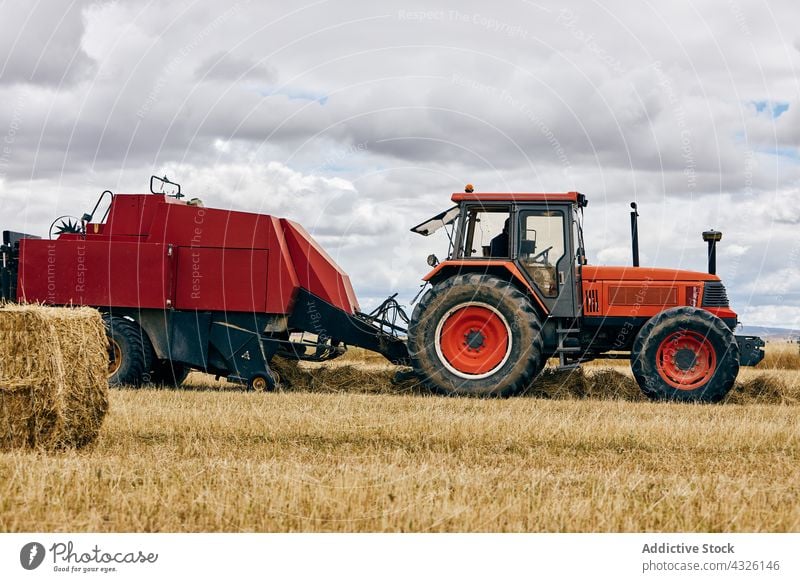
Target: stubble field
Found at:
345, 450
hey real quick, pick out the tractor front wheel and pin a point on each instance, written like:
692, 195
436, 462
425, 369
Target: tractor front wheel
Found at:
475, 335
130, 354
685, 354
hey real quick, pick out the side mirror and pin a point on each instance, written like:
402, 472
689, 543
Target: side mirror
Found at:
581, 256
527, 247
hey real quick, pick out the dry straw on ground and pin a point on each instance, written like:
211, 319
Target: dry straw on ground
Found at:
232, 461
607, 380
53, 387
781, 355
345, 449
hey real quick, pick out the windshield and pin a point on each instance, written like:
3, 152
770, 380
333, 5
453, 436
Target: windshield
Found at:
487, 233
434, 223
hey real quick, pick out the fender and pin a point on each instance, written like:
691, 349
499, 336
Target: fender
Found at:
445, 268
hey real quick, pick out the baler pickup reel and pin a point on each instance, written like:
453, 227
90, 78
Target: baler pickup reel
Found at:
388, 317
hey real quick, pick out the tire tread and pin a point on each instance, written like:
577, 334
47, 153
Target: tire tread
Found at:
422, 361
647, 375
141, 355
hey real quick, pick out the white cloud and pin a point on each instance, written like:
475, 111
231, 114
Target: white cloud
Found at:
654, 105
41, 43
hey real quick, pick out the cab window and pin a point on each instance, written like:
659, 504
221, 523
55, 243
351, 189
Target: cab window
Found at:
541, 247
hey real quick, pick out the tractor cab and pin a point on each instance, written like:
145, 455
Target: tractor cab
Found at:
538, 237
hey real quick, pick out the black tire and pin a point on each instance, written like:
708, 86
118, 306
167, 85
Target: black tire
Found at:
522, 350
133, 348
685, 354
168, 373
403, 376
264, 382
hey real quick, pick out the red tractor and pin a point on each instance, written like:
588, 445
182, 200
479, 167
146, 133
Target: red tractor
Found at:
182, 286
515, 290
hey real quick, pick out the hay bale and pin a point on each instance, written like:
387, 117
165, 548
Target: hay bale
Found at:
53, 384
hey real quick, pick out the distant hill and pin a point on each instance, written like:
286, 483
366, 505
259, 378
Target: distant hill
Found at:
770, 333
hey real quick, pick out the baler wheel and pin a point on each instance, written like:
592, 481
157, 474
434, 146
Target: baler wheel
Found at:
130, 353
685, 354
264, 383
476, 335
259, 384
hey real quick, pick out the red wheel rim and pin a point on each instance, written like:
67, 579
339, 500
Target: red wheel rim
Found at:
474, 340
686, 360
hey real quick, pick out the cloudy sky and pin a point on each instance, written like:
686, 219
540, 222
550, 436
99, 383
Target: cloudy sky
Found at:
360, 119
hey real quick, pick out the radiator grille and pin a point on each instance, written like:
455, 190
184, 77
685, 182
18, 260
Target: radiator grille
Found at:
714, 294
591, 302
642, 295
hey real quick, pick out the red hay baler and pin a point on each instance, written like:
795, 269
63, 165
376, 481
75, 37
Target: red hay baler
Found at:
182, 286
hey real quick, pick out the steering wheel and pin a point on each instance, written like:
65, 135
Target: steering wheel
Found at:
543, 254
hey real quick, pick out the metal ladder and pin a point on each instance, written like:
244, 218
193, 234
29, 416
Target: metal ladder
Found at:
566, 358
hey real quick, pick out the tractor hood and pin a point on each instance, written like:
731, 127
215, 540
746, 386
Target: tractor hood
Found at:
645, 291
596, 273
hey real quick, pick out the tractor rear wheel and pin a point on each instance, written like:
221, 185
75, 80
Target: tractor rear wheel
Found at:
475, 335
685, 354
169, 373
130, 354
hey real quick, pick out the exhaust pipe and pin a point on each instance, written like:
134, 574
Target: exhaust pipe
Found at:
712, 237
635, 234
